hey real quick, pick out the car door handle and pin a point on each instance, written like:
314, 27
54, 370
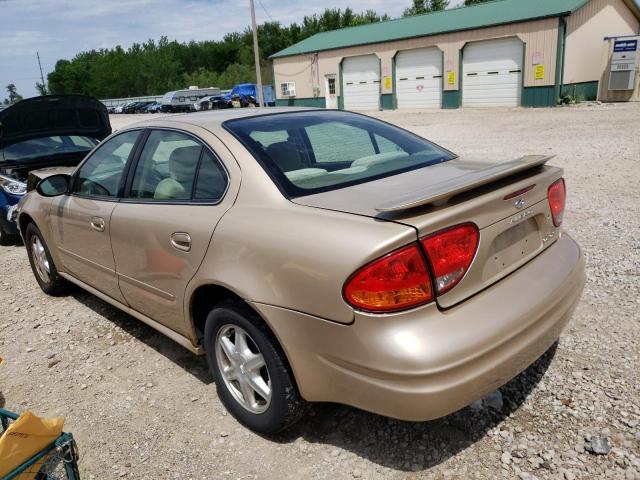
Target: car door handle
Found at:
181, 241
97, 224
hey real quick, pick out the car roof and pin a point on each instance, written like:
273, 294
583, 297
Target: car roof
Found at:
214, 118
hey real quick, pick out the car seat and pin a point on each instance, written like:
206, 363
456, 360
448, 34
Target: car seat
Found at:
182, 170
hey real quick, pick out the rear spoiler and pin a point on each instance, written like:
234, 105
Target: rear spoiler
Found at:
439, 193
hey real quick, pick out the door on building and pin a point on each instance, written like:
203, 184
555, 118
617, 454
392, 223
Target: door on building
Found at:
419, 78
331, 98
361, 82
492, 73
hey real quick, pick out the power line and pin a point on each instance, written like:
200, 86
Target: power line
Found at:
265, 10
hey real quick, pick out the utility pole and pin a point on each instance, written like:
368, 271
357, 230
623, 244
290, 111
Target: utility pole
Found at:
256, 55
41, 75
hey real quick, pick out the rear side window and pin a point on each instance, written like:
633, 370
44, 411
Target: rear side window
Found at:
312, 152
167, 167
212, 179
174, 166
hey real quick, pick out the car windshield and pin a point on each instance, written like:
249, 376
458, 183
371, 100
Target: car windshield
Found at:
37, 148
313, 152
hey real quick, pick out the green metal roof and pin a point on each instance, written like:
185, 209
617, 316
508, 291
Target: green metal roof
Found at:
497, 12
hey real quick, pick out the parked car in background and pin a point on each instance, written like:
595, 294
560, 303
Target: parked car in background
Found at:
215, 102
121, 107
47, 131
153, 107
141, 107
316, 256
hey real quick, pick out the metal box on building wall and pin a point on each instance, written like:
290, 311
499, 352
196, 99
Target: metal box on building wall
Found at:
624, 64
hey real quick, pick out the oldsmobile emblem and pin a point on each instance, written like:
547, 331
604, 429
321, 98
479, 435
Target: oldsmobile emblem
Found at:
519, 203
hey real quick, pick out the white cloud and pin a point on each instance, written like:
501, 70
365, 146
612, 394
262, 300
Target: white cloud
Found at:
61, 28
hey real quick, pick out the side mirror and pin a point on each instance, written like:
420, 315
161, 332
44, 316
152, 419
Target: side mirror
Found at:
54, 185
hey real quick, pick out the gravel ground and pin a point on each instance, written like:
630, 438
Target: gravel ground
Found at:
142, 407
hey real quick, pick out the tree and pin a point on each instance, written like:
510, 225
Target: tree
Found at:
41, 88
157, 66
425, 6
14, 96
474, 2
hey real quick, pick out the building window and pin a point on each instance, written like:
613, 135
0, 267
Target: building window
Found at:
331, 82
288, 89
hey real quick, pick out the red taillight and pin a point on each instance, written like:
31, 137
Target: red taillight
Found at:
397, 281
557, 196
451, 252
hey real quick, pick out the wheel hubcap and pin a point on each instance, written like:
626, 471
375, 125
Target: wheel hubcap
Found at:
243, 368
40, 260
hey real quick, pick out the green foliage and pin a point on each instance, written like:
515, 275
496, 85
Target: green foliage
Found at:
41, 88
474, 2
425, 6
14, 96
153, 68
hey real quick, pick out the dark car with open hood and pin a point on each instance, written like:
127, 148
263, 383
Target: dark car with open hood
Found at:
43, 132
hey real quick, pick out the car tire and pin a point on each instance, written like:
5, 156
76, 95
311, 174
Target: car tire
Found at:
231, 320
42, 264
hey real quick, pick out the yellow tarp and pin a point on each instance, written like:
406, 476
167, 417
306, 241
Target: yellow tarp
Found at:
24, 438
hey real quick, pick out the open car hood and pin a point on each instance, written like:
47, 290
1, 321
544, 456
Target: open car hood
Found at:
53, 115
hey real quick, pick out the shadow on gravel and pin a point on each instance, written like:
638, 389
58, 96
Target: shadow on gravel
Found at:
192, 364
410, 446
2, 400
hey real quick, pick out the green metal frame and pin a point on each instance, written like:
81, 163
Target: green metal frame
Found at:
63, 441
394, 93
461, 71
560, 57
442, 79
341, 96
523, 72
380, 102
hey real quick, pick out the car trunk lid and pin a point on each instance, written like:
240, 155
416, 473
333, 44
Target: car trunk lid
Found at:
507, 202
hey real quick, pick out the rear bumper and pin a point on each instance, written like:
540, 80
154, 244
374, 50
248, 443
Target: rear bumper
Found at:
427, 363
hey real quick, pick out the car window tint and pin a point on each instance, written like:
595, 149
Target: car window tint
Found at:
212, 179
385, 145
327, 150
266, 139
354, 142
100, 175
81, 141
167, 167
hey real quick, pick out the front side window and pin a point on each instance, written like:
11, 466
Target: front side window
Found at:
174, 166
312, 152
100, 175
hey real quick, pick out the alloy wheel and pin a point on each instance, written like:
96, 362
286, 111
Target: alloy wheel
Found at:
40, 259
243, 368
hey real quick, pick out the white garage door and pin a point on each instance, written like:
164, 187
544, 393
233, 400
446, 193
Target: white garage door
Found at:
361, 82
419, 78
492, 73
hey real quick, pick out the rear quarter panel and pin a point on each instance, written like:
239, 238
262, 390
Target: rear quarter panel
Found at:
295, 257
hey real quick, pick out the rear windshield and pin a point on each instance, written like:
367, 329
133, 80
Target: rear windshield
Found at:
313, 152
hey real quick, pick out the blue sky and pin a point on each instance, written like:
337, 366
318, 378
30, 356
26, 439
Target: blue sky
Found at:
61, 28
